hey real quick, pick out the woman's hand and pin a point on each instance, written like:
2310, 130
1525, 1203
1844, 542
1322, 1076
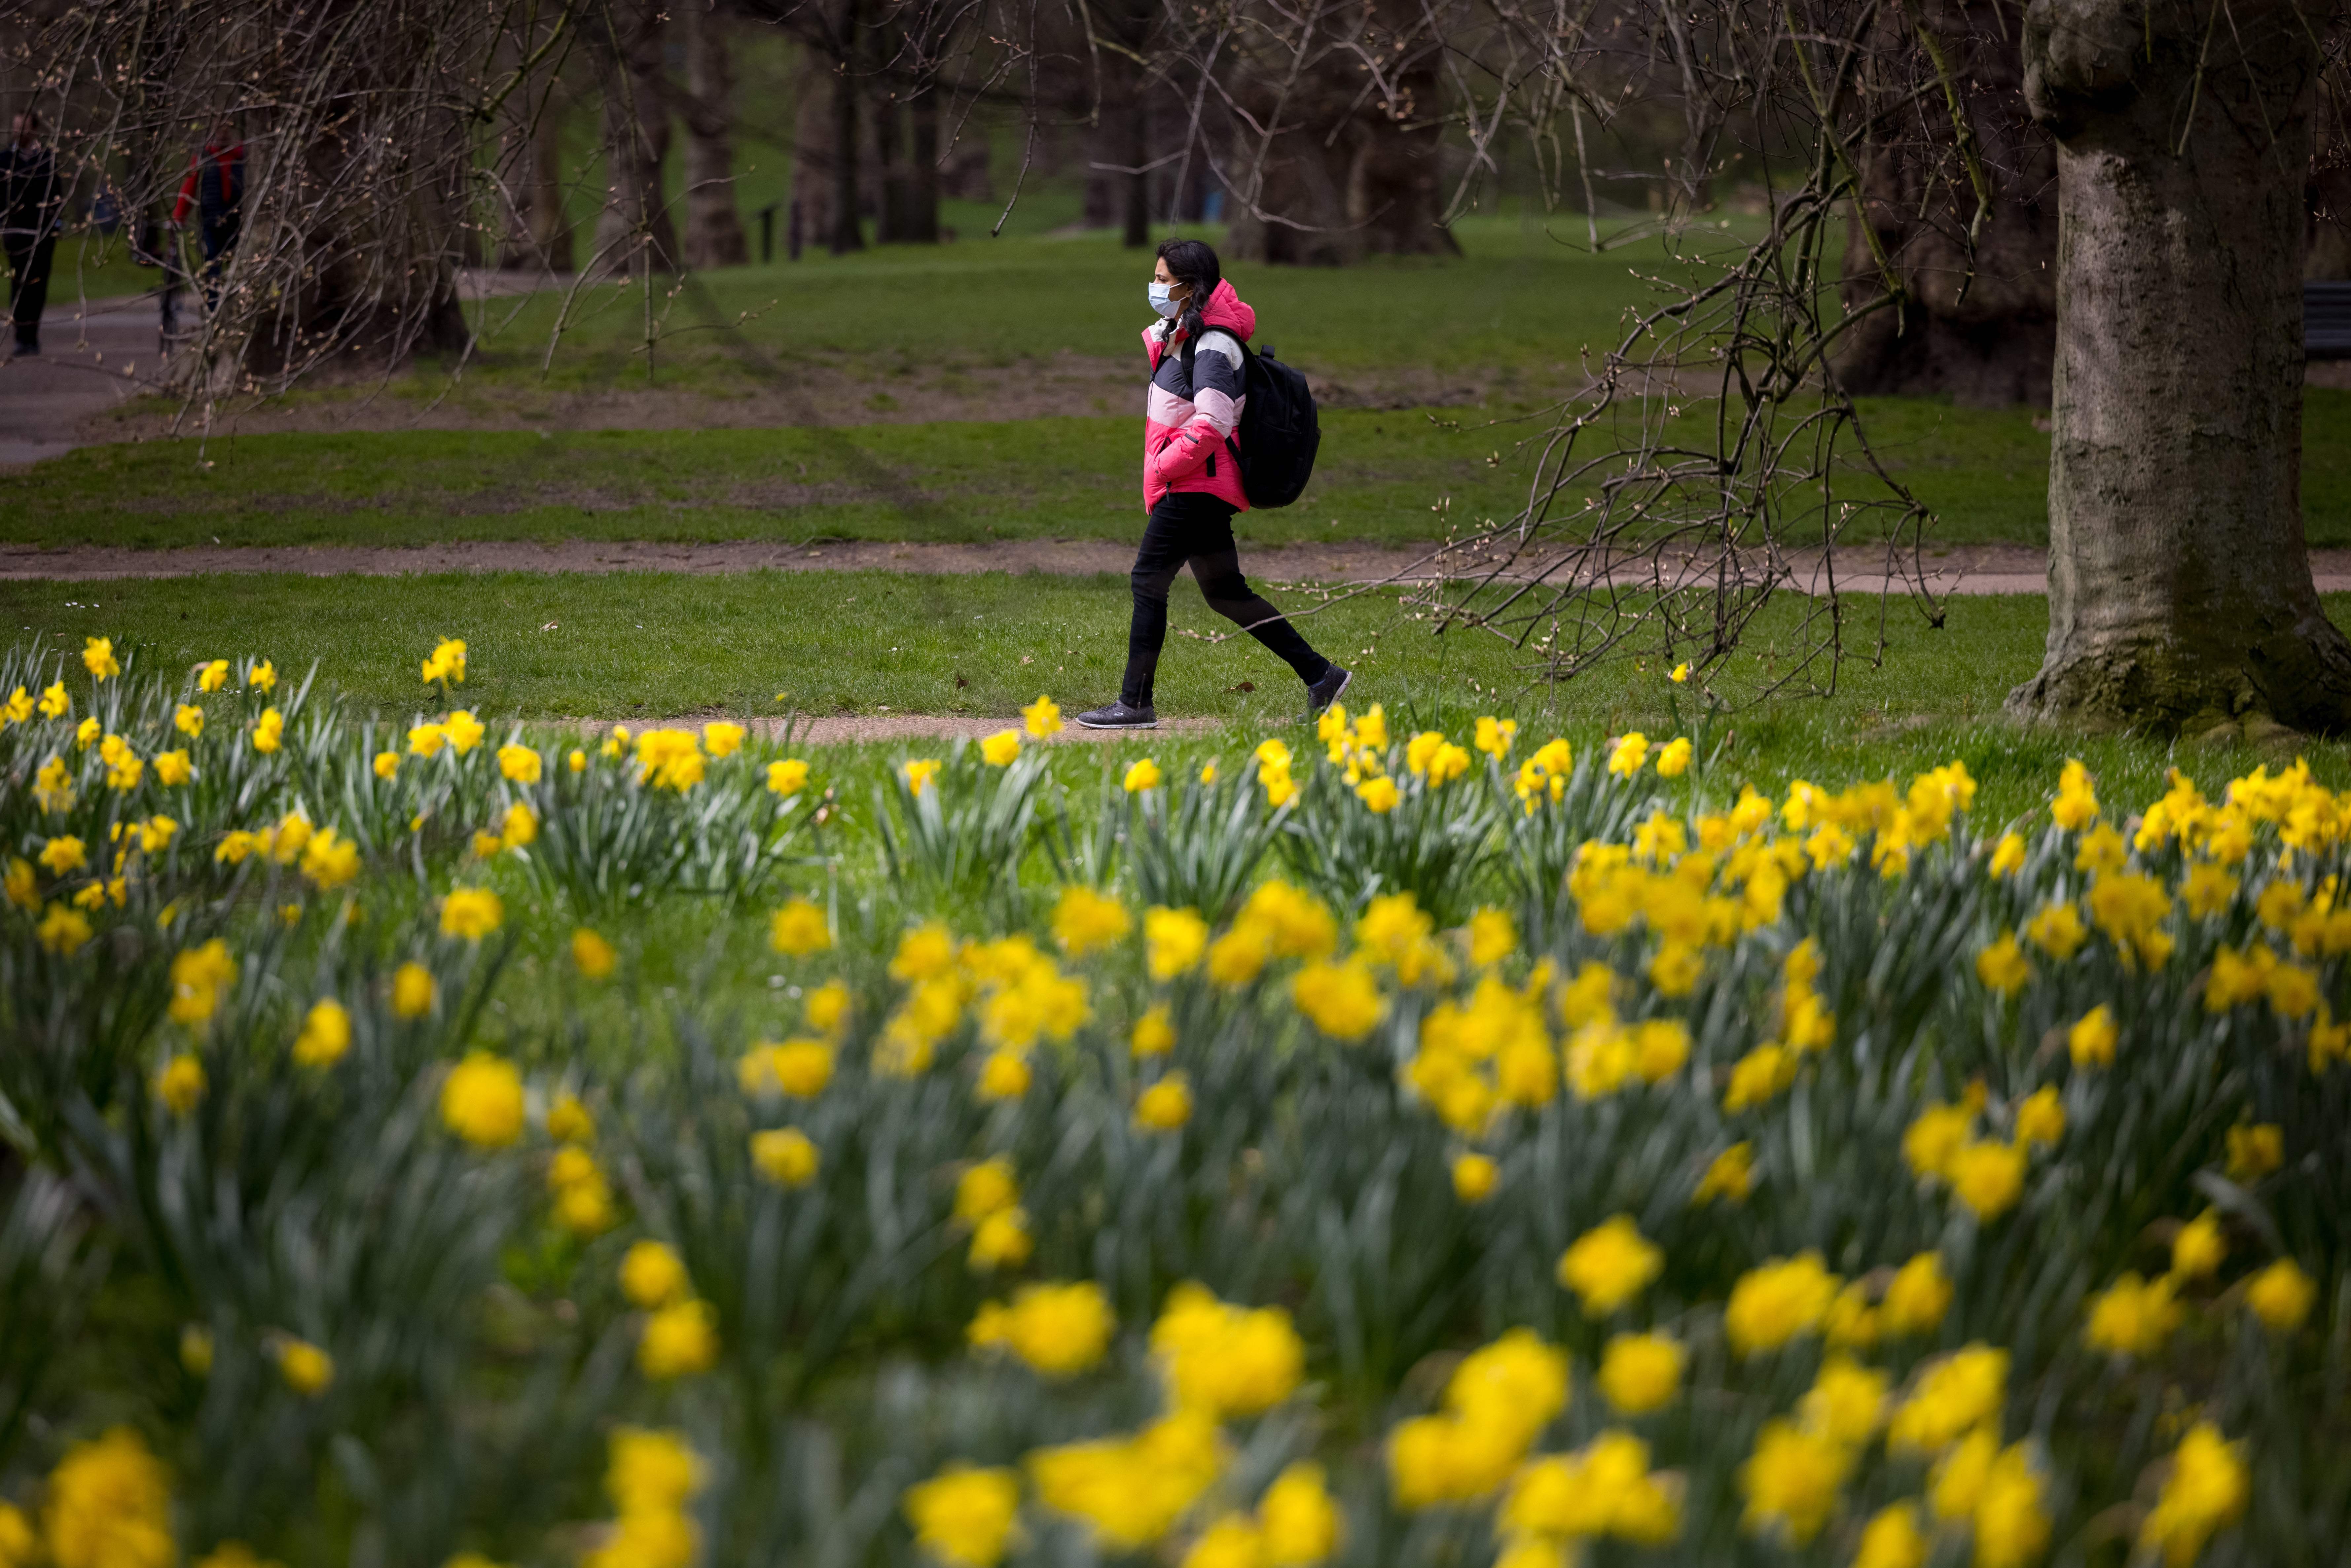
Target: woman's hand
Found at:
1182, 454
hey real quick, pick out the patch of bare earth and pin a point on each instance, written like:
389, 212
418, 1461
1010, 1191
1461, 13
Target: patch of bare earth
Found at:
1965, 569
805, 393
882, 729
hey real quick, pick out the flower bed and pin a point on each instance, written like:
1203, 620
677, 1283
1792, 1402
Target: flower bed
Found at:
1392, 1149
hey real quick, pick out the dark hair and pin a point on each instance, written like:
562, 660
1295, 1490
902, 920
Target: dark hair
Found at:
1192, 261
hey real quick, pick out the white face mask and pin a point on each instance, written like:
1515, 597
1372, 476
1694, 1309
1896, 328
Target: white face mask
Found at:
1161, 303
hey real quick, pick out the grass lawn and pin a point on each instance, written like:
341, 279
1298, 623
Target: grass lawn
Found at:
1517, 303
1379, 474
1508, 320
636, 647
1985, 472
89, 266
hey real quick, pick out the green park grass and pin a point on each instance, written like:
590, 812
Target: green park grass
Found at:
1381, 478
1503, 327
1517, 307
638, 647
1059, 478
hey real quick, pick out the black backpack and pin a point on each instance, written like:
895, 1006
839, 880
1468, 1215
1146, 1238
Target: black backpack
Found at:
1278, 430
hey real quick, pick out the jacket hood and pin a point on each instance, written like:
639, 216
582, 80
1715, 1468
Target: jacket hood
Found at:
1225, 309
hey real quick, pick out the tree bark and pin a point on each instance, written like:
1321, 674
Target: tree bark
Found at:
2179, 591
847, 234
1975, 321
537, 236
634, 231
890, 213
714, 228
550, 230
1118, 193
812, 150
1134, 189
1355, 171
921, 220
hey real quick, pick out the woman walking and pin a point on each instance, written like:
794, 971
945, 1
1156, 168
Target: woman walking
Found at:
1192, 484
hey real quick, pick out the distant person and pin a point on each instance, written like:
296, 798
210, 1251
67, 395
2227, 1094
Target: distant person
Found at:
31, 197
216, 187
1192, 484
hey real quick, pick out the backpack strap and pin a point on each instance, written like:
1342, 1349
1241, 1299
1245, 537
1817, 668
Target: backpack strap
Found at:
1191, 343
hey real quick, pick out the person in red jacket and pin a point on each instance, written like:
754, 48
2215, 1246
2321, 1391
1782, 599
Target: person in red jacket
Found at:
1192, 484
215, 186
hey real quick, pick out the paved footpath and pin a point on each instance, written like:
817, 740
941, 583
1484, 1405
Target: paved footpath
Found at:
1958, 570
92, 352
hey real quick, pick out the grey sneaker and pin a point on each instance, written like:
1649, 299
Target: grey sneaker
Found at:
1326, 691
1118, 716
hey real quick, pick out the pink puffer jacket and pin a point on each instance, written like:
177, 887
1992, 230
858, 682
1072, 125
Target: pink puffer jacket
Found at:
1186, 420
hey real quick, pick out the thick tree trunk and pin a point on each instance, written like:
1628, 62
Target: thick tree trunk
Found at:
812, 152
921, 221
2179, 589
1118, 145
890, 213
1134, 189
1355, 171
1976, 323
538, 237
1392, 199
846, 234
550, 230
713, 229
634, 231
1118, 193
381, 283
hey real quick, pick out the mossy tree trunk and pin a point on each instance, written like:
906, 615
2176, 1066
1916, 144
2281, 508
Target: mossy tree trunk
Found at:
2179, 589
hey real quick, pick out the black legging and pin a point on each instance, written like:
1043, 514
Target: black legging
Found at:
1191, 526
28, 283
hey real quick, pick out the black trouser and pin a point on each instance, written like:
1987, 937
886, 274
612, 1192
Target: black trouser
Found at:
1191, 526
217, 231
28, 283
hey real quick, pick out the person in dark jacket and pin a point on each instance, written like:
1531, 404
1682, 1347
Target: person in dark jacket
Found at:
31, 197
1192, 484
216, 187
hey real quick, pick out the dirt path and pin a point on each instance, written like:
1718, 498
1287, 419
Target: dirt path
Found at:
1959, 570
881, 728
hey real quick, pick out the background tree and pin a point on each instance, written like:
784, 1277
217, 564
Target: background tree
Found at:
1120, 154
627, 40
713, 227
1337, 117
1972, 314
828, 128
366, 176
526, 177
902, 92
